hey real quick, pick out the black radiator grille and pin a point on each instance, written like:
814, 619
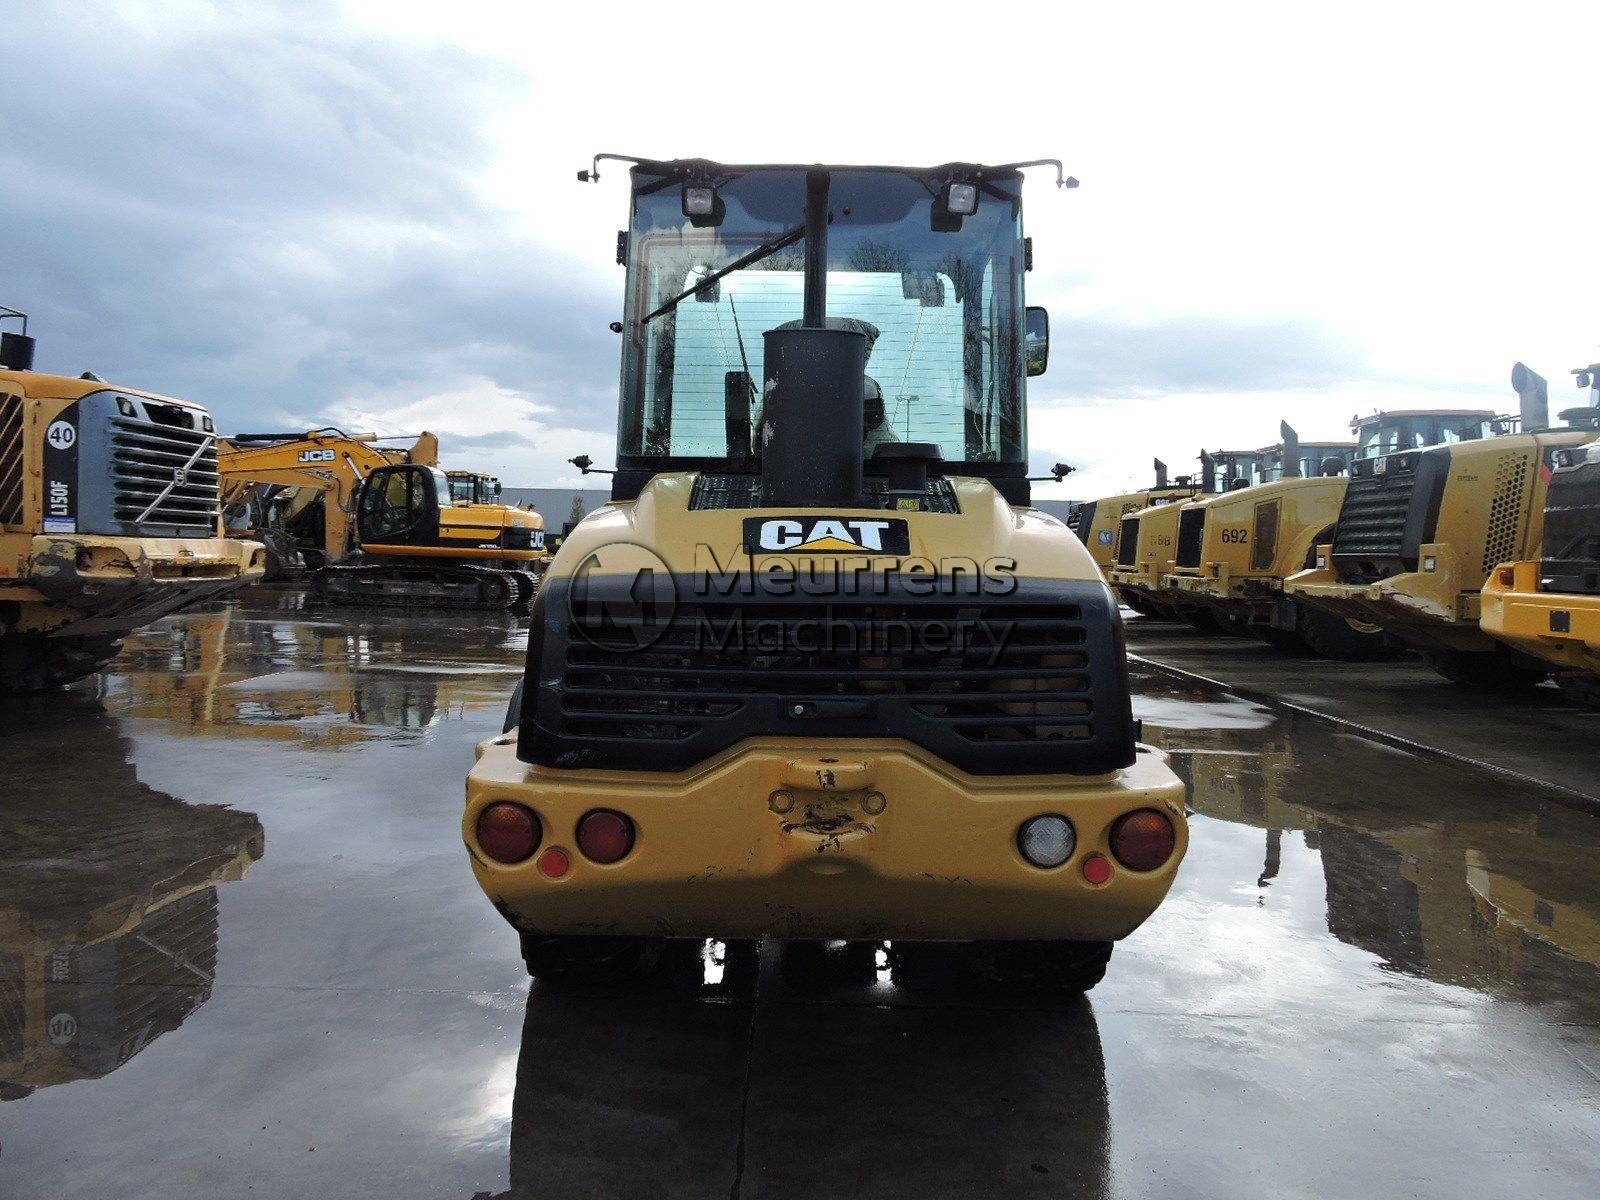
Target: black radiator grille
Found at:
1128, 542
146, 457
992, 685
11, 468
1372, 519
1572, 530
1191, 536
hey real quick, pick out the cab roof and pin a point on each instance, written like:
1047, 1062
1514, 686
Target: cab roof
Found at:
72, 387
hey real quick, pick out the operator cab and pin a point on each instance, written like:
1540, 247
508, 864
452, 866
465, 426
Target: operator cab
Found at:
473, 487
1391, 432
917, 271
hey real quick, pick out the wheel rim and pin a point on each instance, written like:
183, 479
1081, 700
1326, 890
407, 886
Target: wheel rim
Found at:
1363, 627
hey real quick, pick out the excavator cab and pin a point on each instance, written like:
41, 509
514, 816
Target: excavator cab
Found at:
400, 506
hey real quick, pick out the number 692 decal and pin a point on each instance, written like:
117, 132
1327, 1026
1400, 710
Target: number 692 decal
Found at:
1237, 536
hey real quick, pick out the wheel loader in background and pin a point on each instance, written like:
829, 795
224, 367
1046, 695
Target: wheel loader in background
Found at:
109, 518
1098, 523
1235, 550
819, 670
1549, 608
1420, 531
1147, 542
389, 529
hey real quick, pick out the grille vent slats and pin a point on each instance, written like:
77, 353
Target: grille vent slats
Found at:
719, 659
1191, 536
1128, 542
144, 457
11, 466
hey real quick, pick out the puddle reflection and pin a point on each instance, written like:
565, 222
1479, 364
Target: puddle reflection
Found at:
108, 898
1441, 871
845, 1085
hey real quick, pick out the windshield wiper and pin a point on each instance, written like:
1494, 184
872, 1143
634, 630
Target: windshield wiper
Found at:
765, 250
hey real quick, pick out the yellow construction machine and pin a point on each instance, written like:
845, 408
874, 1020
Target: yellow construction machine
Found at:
109, 518
1421, 530
1549, 608
296, 492
1147, 540
1235, 550
820, 670
385, 526
1098, 523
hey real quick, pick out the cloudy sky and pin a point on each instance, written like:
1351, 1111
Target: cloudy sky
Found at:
365, 213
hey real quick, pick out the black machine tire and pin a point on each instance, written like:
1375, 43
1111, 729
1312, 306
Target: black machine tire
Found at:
570, 959
1056, 967
1580, 688
1497, 670
1136, 602
34, 663
514, 709
1201, 620
1286, 641
1334, 637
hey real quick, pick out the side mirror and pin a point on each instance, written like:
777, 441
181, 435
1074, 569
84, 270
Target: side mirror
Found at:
497, 488
1037, 340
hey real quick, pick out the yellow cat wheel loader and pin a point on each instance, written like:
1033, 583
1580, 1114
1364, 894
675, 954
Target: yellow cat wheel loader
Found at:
1147, 542
1549, 608
1420, 531
1098, 524
1235, 550
819, 670
109, 518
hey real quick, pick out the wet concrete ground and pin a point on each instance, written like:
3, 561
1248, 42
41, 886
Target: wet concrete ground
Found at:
241, 953
1536, 732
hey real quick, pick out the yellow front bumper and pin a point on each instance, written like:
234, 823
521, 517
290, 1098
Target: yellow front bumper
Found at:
788, 838
1426, 606
1559, 628
86, 584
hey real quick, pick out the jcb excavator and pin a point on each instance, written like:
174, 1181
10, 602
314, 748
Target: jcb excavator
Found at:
391, 531
1549, 608
1235, 550
296, 492
109, 518
820, 670
1421, 530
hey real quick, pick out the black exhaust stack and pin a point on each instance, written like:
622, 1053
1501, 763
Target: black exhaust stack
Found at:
1534, 394
814, 398
1290, 451
1161, 474
16, 349
1208, 473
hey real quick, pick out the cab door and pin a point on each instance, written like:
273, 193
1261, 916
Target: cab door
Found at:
399, 506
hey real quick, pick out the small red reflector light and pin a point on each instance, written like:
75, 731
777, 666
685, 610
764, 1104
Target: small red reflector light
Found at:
1508, 576
1096, 869
605, 836
508, 833
555, 862
1143, 839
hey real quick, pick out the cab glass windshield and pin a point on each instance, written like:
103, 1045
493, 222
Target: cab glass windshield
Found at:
1419, 431
939, 300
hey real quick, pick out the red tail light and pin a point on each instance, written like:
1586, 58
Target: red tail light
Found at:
605, 836
1143, 839
508, 833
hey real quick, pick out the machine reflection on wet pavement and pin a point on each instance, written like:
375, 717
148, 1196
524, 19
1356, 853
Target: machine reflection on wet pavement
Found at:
240, 950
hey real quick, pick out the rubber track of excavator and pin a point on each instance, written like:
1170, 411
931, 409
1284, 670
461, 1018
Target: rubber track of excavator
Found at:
392, 586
